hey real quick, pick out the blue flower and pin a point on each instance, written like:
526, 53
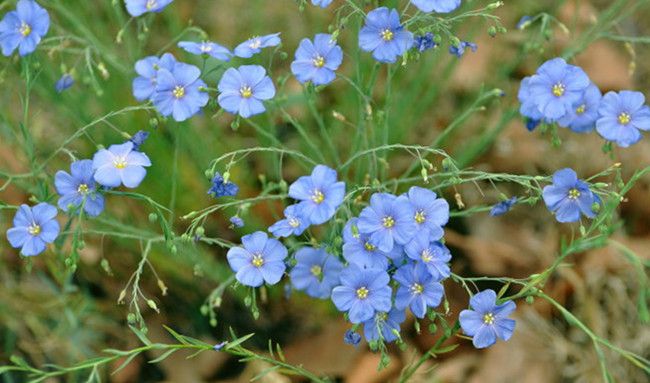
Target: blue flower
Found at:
352, 337
139, 7
434, 255
138, 139
487, 321
459, 50
358, 250
120, 164
417, 289
384, 36
582, 117
440, 6
320, 194
209, 48
388, 220
254, 45
316, 272
555, 89
569, 196
220, 346
321, 3
243, 89
33, 228
317, 61
259, 260
294, 222
79, 188
65, 82
622, 115
531, 124
144, 85
222, 188
424, 42
362, 293
385, 323
523, 22
431, 213
528, 106
179, 91
23, 28
503, 207
236, 221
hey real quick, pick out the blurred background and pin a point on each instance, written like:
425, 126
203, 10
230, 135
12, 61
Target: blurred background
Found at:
49, 315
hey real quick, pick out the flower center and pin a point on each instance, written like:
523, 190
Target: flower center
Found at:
362, 292
574, 193
319, 61
150, 4
581, 109
420, 217
488, 318
417, 288
205, 47
256, 43
381, 317
34, 229
558, 89
318, 197
387, 35
369, 247
388, 222
294, 222
426, 256
120, 162
316, 270
624, 118
82, 189
246, 91
257, 261
178, 91
25, 29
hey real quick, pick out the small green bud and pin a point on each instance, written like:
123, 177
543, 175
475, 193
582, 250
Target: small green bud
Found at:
495, 5
213, 322
153, 217
200, 231
174, 249
152, 305
204, 310
130, 318
530, 299
492, 31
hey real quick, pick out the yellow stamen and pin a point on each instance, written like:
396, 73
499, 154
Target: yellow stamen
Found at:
388, 222
316, 270
318, 197
417, 288
293, 222
362, 292
426, 256
488, 318
256, 43
624, 118
120, 163
257, 261
558, 89
82, 189
381, 317
369, 247
387, 35
178, 91
574, 193
150, 4
420, 217
581, 109
25, 29
246, 91
319, 61
34, 229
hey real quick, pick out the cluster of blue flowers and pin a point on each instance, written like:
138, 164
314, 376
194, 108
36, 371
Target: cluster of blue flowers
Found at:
563, 93
79, 190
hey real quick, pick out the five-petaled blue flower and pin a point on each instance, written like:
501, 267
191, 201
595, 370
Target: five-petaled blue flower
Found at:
554, 90
582, 117
243, 89
621, 116
208, 48
317, 61
316, 272
144, 85
384, 35
294, 222
63, 83
503, 207
23, 28
78, 188
236, 221
459, 50
431, 213
222, 188
384, 326
568, 196
418, 289
254, 45
439, 6
487, 321
321, 194
434, 255
33, 229
139, 7
424, 42
259, 260
358, 250
120, 164
351, 337
362, 293
388, 220
322, 3
179, 91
